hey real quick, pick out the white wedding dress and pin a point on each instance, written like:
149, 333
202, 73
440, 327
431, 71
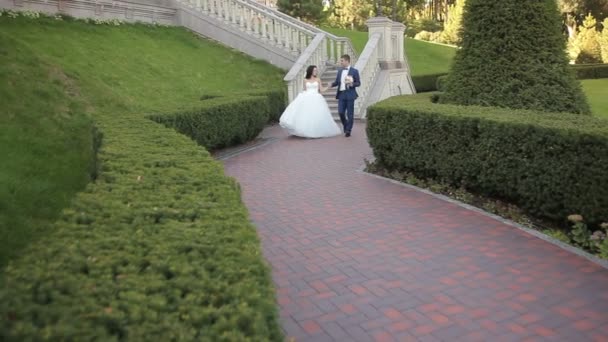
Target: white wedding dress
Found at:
308, 115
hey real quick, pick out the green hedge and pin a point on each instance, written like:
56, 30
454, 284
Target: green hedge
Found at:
432, 82
159, 248
220, 122
277, 100
590, 71
552, 164
426, 83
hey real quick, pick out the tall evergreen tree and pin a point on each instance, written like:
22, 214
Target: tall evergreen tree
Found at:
513, 55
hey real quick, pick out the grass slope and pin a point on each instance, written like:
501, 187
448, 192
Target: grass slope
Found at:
54, 73
427, 58
160, 244
596, 91
45, 144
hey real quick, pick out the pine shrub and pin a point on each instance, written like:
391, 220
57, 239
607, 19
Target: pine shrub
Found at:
513, 55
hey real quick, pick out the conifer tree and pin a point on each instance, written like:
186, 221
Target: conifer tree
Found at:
513, 55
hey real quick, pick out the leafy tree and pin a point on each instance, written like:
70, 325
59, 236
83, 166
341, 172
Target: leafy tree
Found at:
453, 24
307, 10
604, 41
588, 42
513, 55
350, 14
574, 12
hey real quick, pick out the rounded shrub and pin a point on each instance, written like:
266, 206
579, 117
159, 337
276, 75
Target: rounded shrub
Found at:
514, 55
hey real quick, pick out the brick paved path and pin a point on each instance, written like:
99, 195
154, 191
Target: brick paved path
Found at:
358, 258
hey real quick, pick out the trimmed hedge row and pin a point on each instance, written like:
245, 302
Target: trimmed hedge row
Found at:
426, 83
220, 122
552, 165
432, 82
590, 71
159, 248
277, 100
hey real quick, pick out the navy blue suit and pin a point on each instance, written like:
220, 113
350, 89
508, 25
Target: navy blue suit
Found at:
346, 98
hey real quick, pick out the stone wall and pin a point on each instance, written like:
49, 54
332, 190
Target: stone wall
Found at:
150, 11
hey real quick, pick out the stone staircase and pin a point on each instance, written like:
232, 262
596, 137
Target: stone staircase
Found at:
330, 94
265, 33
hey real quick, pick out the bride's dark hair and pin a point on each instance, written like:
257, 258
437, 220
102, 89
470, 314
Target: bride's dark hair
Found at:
309, 71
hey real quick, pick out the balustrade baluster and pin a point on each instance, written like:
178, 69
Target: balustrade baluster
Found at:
233, 13
246, 19
264, 29
256, 24
218, 9
302, 40
271, 33
212, 8
226, 10
295, 41
242, 17
324, 51
281, 35
285, 36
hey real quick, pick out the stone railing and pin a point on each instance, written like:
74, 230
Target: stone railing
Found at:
314, 54
369, 67
337, 46
258, 22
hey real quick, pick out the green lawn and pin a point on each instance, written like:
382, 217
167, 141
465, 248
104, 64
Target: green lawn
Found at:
425, 58
59, 77
45, 144
358, 38
596, 91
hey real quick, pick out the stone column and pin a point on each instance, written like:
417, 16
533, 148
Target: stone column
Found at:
398, 30
383, 26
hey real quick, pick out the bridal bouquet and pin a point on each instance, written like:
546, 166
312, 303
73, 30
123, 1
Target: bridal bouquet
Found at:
349, 80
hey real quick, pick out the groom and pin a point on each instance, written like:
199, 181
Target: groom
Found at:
346, 81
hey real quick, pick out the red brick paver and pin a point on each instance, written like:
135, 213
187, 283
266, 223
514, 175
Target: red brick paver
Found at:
358, 258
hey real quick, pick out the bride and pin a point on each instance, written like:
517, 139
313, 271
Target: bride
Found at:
308, 115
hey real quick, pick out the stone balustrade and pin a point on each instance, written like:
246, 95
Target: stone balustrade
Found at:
337, 46
257, 21
368, 66
314, 54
